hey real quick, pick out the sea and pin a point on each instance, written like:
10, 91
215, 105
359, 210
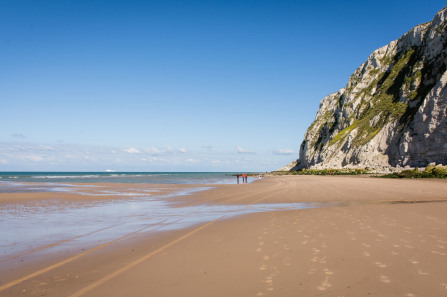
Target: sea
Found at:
122, 177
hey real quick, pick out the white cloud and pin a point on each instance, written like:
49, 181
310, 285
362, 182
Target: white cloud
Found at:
284, 152
63, 156
132, 150
89, 158
156, 159
157, 152
33, 158
153, 151
243, 151
69, 156
46, 148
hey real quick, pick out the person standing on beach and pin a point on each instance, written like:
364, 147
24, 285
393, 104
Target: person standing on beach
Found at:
237, 176
243, 178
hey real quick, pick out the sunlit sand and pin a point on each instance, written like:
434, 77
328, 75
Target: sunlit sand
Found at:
281, 236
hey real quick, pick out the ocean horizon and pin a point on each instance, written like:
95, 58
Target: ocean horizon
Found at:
119, 177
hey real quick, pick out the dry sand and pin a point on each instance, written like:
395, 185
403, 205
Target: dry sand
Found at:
369, 237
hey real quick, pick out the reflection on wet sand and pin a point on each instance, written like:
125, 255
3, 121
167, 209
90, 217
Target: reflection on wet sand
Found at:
49, 226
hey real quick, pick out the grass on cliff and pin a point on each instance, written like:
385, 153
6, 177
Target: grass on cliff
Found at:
430, 172
384, 105
323, 172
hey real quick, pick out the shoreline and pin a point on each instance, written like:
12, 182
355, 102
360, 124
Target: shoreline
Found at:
369, 236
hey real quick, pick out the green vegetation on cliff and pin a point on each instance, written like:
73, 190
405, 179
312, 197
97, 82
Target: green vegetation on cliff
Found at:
385, 105
430, 172
323, 172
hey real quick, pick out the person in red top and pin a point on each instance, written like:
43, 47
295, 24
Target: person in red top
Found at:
243, 178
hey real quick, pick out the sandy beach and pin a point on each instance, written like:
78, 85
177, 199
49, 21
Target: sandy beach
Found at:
334, 236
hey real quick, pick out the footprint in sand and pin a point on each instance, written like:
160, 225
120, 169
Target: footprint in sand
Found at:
381, 265
312, 271
384, 279
304, 242
366, 245
438, 253
259, 250
422, 273
263, 267
322, 260
324, 285
266, 257
413, 261
366, 254
41, 283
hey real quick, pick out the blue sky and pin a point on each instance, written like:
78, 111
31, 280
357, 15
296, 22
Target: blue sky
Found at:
178, 85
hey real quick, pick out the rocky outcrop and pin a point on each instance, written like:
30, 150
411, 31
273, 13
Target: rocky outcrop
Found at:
392, 111
288, 167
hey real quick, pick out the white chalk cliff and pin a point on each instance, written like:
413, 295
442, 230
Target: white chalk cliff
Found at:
392, 111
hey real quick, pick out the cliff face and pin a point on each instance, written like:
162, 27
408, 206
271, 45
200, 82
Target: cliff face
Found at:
392, 111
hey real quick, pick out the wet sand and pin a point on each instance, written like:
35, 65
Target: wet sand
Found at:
361, 237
